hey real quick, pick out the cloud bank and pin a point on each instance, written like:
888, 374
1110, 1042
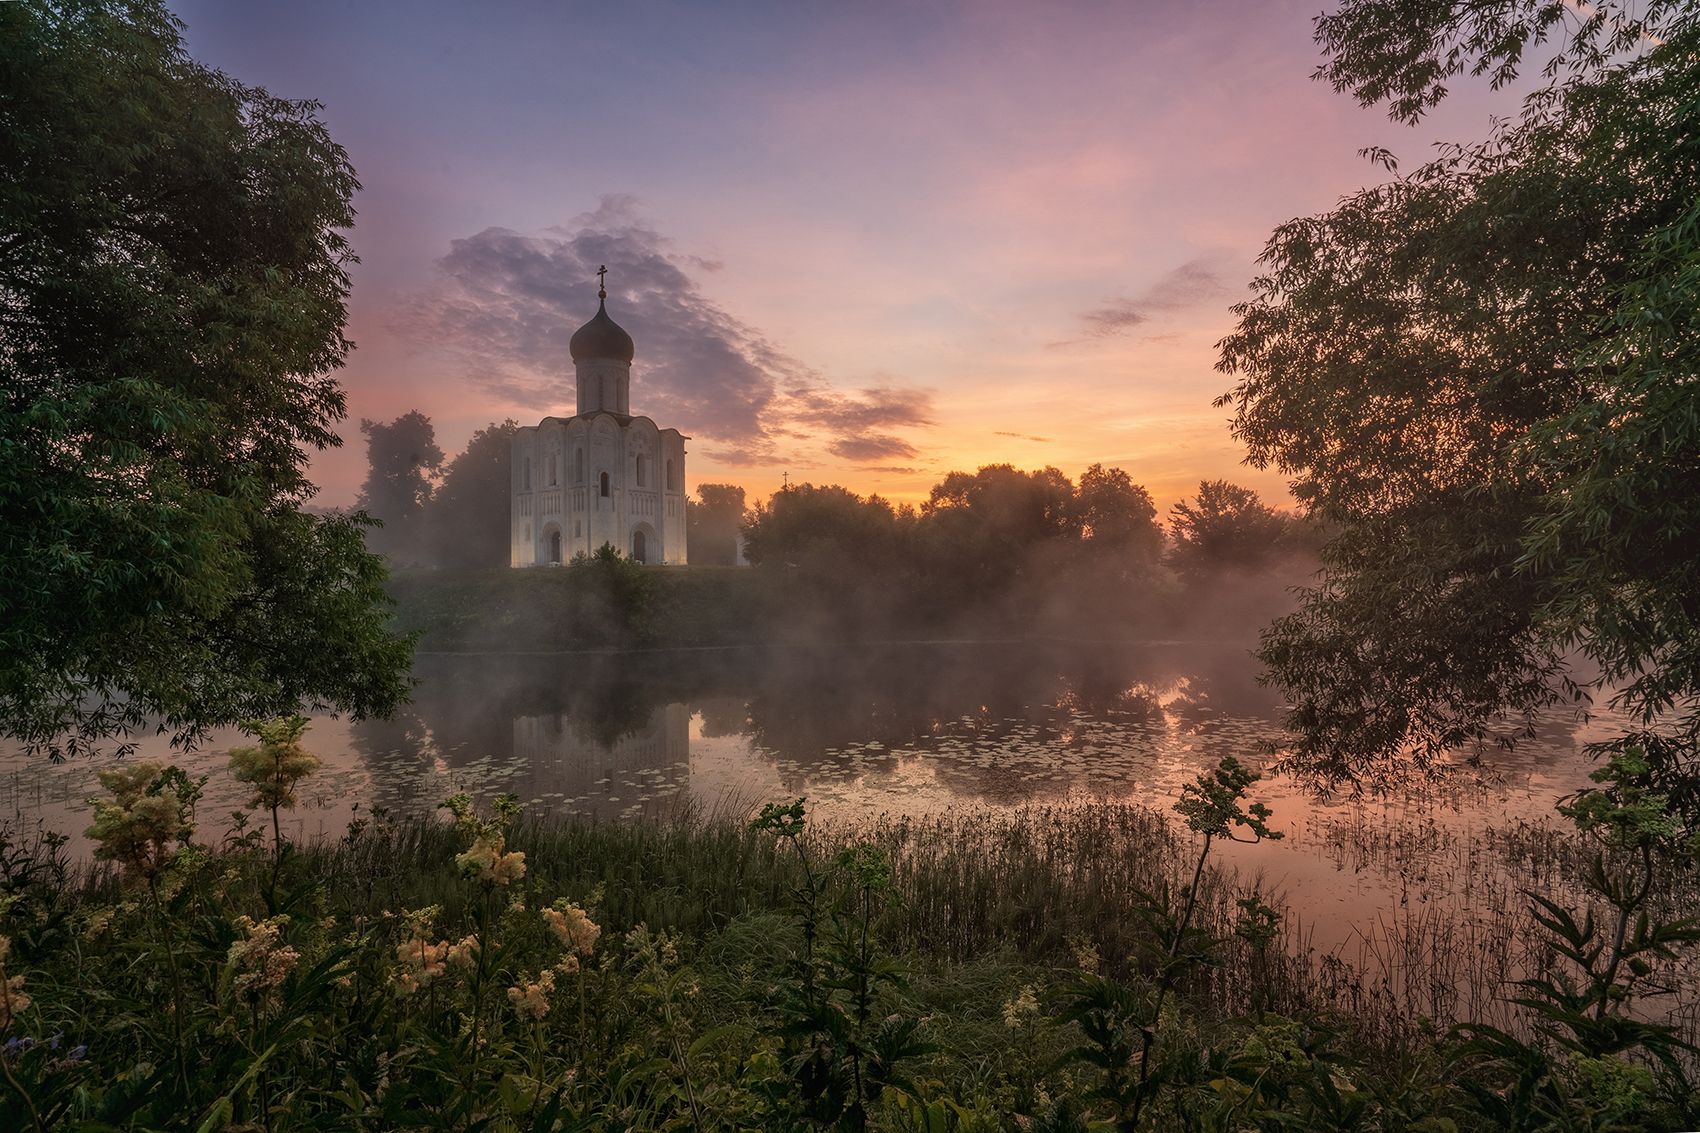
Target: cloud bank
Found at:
508, 303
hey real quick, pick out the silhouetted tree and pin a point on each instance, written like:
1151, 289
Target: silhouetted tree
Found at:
712, 523
1014, 508
173, 278
612, 599
1482, 375
1228, 528
403, 460
1117, 515
829, 529
466, 518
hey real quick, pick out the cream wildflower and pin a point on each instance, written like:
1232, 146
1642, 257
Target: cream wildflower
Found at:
275, 767
573, 927
1022, 1009
421, 962
12, 997
258, 962
465, 953
486, 859
149, 813
531, 1000
1085, 954
487, 862
97, 922
509, 868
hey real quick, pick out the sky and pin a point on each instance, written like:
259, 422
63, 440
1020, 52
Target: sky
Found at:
856, 243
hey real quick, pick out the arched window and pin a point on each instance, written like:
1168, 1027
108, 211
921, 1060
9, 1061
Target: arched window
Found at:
578, 528
525, 475
639, 549
672, 481
552, 480
640, 470
605, 485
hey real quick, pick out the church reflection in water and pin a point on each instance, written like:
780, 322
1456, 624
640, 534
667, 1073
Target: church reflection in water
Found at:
613, 735
571, 768
636, 734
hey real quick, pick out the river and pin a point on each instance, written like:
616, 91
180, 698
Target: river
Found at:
869, 730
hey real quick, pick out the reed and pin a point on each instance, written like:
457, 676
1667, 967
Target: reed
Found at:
988, 915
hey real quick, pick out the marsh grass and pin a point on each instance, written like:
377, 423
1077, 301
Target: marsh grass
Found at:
1460, 932
1029, 883
982, 908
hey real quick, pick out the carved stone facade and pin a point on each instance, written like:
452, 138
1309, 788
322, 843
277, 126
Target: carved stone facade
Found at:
601, 475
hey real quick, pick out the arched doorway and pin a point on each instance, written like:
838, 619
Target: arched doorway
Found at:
640, 547
554, 546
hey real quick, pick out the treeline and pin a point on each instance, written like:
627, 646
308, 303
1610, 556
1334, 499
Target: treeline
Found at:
1006, 549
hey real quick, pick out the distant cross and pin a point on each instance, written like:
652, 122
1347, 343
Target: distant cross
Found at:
602, 282
785, 486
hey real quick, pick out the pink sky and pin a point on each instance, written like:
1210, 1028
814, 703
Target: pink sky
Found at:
864, 244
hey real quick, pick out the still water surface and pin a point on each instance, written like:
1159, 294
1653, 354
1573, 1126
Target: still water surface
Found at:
880, 729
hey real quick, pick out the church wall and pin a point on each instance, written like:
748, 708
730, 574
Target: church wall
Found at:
558, 474
565, 462
673, 496
522, 534
605, 450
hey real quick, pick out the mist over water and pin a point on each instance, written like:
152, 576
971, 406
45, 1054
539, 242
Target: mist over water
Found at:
872, 730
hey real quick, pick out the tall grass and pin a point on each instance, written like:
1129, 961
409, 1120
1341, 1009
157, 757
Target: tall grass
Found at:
982, 907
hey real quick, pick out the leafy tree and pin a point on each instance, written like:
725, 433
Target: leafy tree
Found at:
612, 598
173, 277
403, 461
1481, 375
1228, 528
466, 520
1013, 507
1117, 515
821, 527
712, 521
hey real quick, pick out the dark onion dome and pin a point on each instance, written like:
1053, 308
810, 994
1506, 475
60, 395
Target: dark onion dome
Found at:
601, 337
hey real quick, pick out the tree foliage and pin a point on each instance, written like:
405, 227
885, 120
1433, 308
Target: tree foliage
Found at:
712, 521
467, 521
1117, 515
1227, 528
1481, 376
173, 273
403, 463
991, 551
807, 525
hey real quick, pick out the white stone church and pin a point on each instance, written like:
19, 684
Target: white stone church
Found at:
601, 475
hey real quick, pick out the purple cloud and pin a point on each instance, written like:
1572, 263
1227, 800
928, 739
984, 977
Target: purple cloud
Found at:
509, 303
1192, 284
